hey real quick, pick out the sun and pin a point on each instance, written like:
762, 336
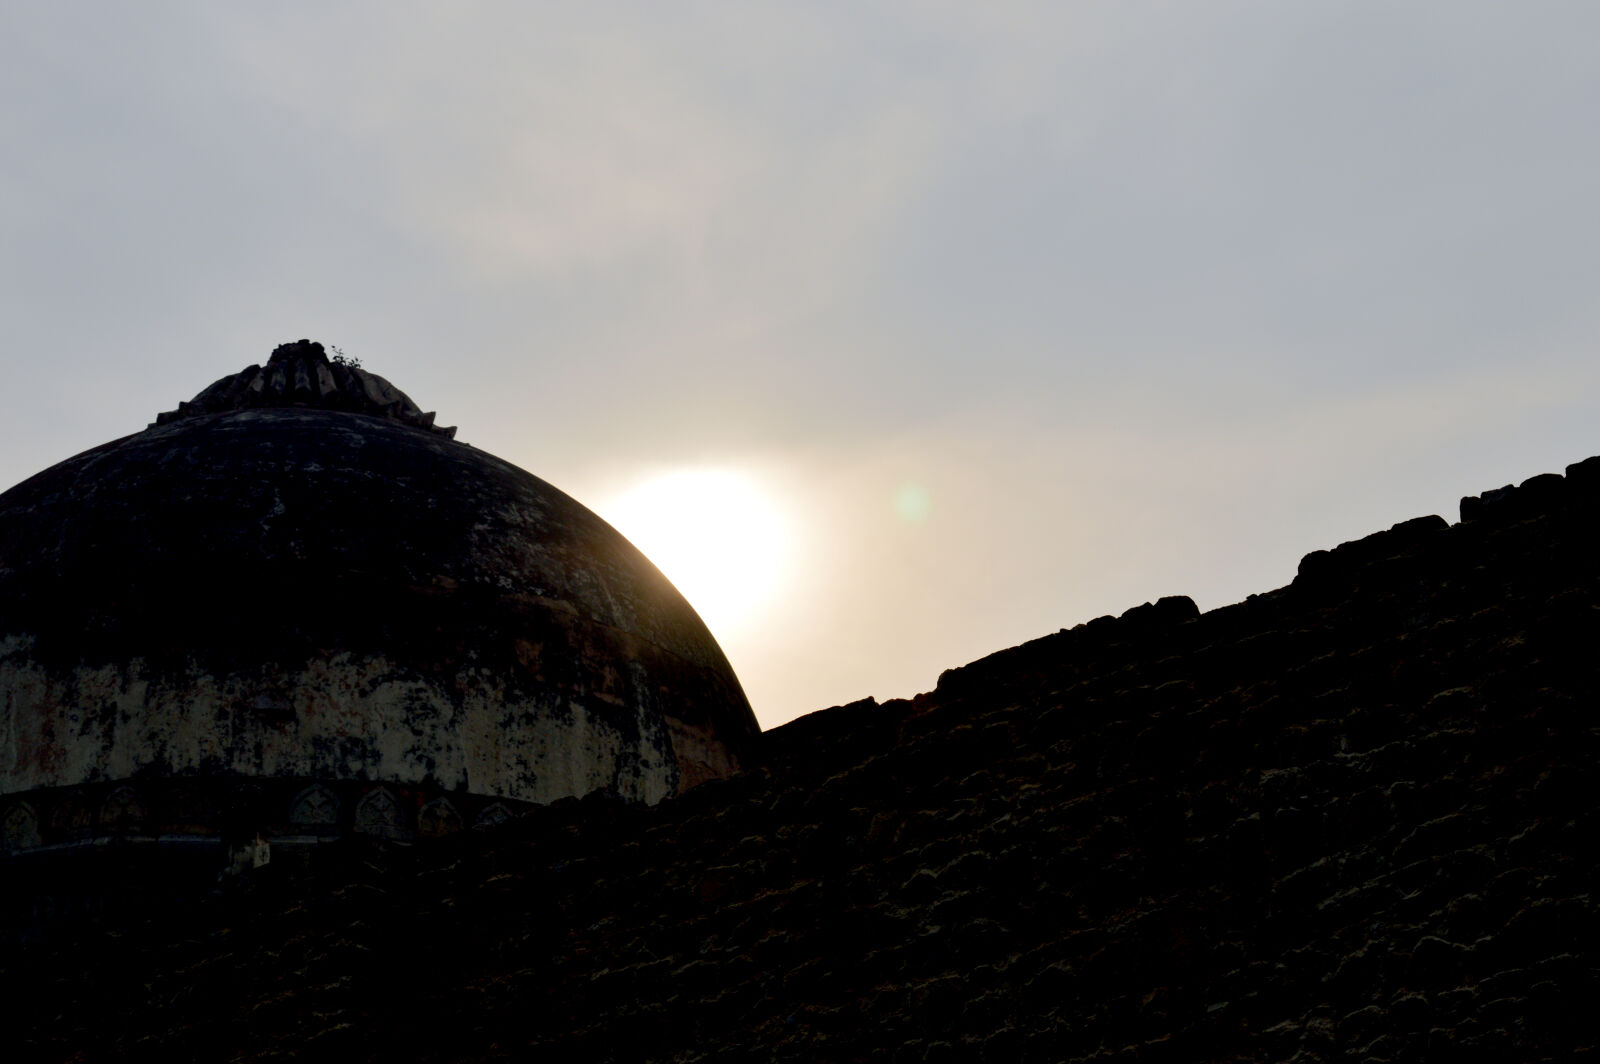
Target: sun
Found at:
718, 535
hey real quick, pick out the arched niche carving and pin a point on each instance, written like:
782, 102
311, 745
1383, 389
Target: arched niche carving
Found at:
495, 813
315, 807
123, 810
438, 817
71, 818
378, 813
19, 828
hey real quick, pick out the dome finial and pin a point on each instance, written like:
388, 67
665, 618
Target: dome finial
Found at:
299, 373
308, 349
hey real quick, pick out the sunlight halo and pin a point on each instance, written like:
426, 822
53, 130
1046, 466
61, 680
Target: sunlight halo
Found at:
718, 535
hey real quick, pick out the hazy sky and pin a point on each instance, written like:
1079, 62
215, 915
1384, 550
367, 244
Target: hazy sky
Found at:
1020, 312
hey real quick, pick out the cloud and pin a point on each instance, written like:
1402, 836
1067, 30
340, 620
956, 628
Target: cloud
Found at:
1147, 298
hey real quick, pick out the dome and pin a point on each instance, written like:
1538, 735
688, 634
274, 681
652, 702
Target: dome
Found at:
297, 577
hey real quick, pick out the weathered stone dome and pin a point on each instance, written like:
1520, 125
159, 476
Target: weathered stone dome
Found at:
296, 581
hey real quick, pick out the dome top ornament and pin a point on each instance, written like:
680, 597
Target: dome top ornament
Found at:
301, 374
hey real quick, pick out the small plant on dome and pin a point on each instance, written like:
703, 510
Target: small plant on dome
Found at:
341, 359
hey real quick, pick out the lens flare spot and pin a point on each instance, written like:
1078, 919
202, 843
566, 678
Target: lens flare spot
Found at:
912, 503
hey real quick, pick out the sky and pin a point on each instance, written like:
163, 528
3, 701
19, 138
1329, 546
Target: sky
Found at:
999, 316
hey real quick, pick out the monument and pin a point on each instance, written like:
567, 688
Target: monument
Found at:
295, 608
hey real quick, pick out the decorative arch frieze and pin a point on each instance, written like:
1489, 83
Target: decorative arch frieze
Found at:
123, 810
495, 813
19, 828
378, 813
71, 818
316, 807
437, 818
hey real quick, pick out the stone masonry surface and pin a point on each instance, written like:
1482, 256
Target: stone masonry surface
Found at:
1352, 819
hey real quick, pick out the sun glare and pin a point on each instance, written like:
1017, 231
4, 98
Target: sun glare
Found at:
717, 535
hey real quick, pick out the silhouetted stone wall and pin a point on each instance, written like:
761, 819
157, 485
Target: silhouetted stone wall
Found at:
1352, 819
